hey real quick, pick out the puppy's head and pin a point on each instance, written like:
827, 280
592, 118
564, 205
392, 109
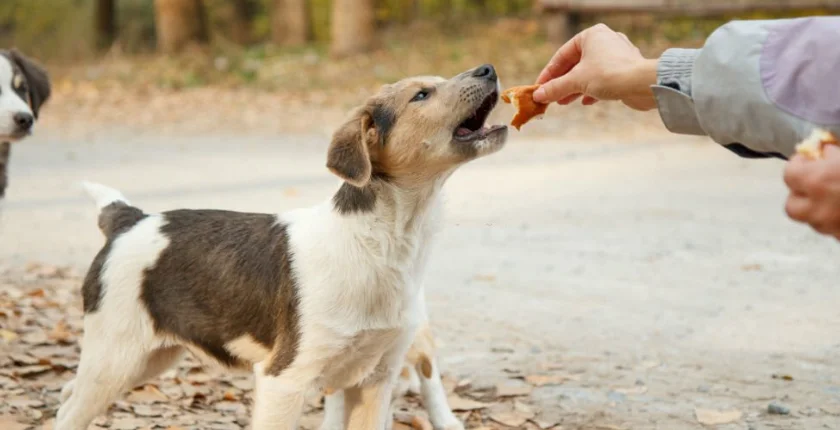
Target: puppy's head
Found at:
24, 87
419, 129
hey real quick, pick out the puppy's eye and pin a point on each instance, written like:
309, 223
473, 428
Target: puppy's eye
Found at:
421, 95
17, 81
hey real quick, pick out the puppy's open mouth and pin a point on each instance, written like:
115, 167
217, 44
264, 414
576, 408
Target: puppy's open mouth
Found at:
473, 129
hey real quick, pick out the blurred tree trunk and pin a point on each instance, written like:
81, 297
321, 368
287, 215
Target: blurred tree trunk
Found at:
105, 19
291, 22
414, 10
243, 15
353, 27
179, 23
482, 7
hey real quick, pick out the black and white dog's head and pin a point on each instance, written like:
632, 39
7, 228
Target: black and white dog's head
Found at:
24, 87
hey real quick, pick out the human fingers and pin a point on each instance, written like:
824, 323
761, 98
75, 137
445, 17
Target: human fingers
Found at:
561, 88
798, 207
566, 58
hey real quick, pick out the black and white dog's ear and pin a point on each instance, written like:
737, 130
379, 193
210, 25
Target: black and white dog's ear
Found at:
36, 78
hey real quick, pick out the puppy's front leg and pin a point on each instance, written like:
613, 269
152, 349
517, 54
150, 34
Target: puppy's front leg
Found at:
278, 399
434, 395
333, 411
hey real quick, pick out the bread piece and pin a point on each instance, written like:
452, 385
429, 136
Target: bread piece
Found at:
812, 147
522, 99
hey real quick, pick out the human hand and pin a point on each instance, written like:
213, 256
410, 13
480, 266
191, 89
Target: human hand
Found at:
598, 64
815, 191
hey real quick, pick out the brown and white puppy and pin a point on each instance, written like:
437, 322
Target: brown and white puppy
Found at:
24, 87
328, 297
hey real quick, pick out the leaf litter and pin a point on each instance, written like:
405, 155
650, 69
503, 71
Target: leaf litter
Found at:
41, 329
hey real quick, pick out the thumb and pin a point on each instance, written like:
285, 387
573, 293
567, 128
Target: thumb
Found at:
560, 88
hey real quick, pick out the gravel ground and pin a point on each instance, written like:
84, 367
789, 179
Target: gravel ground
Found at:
660, 276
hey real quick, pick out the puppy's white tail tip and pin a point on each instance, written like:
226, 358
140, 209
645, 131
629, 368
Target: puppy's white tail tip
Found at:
102, 195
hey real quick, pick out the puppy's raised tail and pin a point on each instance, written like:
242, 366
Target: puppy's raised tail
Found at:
116, 214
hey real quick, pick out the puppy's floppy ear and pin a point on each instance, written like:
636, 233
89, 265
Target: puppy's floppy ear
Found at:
349, 154
36, 77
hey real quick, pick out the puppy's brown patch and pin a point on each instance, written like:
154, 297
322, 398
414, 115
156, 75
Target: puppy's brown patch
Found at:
425, 366
225, 275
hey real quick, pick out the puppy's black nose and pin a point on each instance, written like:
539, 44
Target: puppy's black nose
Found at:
24, 121
485, 72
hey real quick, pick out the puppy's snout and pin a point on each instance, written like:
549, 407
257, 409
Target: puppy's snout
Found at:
24, 121
486, 71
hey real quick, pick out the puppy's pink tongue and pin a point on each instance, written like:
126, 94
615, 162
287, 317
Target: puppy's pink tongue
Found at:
462, 131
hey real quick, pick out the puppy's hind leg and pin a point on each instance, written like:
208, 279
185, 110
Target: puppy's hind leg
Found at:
105, 372
158, 362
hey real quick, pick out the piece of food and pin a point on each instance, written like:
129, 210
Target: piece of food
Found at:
522, 99
812, 147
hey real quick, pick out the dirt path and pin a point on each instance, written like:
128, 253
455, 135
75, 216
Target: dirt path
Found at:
659, 276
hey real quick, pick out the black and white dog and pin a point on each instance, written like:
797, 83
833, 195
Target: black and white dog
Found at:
24, 87
329, 297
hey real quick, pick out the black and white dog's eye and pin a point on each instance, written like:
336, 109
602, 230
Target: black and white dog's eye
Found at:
17, 81
421, 95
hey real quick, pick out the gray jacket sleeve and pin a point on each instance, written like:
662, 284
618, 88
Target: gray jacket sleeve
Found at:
756, 87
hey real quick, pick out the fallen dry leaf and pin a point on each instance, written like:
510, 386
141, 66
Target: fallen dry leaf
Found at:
459, 404
715, 417
147, 394
29, 371
783, 377
556, 379
60, 333
146, 411
127, 424
10, 423
510, 419
636, 389
546, 423
36, 293
524, 409
509, 390
7, 335
35, 338
420, 423
23, 359
24, 403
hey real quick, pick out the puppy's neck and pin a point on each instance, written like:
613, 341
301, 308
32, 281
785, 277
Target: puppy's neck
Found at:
399, 208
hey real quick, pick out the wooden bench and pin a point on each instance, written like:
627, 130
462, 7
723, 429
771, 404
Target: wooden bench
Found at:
563, 17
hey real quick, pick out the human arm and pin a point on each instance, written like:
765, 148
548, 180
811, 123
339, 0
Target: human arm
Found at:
756, 87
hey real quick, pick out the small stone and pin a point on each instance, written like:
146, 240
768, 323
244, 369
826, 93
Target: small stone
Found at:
777, 409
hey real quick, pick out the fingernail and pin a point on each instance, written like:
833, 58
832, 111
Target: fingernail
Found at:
539, 95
